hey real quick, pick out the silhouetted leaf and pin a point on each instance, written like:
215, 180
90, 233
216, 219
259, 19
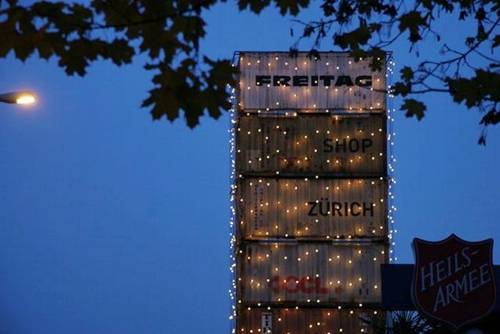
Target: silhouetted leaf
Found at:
401, 88
285, 6
496, 41
407, 73
414, 108
412, 21
477, 89
492, 117
482, 140
355, 38
308, 30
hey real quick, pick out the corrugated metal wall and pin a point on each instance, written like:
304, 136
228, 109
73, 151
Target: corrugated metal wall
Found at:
337, 145
307, 321
312, 208
339, 94
311, 273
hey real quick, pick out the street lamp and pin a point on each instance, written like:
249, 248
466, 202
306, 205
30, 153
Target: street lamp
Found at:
23, 97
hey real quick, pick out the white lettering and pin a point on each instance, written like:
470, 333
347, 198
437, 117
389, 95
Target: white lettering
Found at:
458, 289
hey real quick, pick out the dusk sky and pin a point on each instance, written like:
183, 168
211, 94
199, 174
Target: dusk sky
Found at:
112, 223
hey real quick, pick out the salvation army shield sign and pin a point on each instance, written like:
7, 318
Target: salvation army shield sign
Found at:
453, 279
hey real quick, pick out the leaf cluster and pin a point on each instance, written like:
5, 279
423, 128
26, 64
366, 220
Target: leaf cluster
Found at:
469, 75
189, 83
167, 32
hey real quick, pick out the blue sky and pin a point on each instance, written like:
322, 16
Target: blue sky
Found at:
110, 223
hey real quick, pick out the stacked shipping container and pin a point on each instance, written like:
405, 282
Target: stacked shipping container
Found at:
311, 193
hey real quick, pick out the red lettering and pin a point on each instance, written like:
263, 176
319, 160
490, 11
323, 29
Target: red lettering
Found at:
304, 281
294, 280
293, 284
319, 288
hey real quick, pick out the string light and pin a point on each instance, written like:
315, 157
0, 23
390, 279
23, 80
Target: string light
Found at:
391, 161
253, 197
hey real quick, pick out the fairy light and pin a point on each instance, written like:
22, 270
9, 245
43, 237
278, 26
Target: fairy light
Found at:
309, 153
391, 161
232, 202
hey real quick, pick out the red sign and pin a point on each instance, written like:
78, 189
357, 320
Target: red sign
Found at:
453, 279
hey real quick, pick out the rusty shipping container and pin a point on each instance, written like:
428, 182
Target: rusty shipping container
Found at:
321, 145
310, 273
334, 81
306, 321
311, 208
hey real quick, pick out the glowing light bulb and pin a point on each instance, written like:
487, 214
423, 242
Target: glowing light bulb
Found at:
26, 99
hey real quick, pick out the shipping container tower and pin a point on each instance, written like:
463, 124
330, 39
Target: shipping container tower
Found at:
310, 193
